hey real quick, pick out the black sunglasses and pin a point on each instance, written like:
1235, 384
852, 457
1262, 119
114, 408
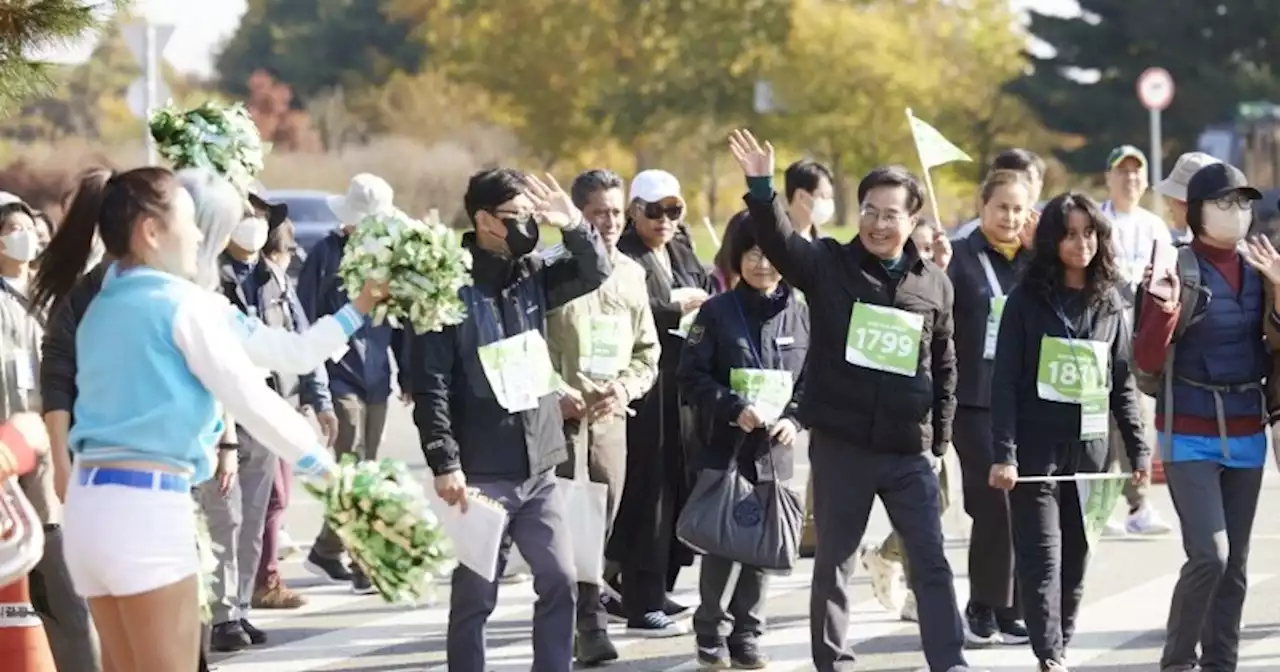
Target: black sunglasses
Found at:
658, 211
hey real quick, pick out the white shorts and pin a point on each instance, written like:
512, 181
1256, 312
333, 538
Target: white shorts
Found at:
122, 540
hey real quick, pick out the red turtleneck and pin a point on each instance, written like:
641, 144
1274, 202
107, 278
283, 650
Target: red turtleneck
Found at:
1155, 331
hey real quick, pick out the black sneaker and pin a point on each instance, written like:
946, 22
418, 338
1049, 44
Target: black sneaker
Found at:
594, 648
712, 654
330, 569
981, 628
360, 584
1013, 631
228, 637
674, 609
745, 655
613, 607
256, 636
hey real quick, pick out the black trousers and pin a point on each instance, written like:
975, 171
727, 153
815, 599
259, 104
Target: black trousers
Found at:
991, 582
1051, 549
846, 480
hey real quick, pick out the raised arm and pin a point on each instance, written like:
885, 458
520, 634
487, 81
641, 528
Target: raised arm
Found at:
214, 354
943, 359
586, 266
581, 271
1125, 399
795, 257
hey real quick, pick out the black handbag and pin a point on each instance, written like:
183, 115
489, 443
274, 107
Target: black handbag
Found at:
756, 524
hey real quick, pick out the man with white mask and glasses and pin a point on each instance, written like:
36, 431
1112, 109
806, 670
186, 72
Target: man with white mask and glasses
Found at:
236, 500
66, 616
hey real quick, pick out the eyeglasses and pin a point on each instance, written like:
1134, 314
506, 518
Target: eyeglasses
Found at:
672, 212
1234, 199
871, 215
755, 257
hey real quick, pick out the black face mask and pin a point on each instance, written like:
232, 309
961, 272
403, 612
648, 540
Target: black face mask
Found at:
522, 235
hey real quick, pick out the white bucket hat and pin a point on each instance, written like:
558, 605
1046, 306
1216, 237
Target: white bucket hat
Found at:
1175, 185
367, 195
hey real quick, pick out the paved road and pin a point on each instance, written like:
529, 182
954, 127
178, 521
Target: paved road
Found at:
1121, 622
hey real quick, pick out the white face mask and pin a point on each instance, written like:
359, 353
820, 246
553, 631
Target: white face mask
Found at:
822, 211
1228, 226
21, 245
251, 234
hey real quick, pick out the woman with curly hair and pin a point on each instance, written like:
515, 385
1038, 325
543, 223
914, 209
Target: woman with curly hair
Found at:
1062, 367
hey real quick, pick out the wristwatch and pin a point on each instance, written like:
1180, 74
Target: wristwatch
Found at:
228, 446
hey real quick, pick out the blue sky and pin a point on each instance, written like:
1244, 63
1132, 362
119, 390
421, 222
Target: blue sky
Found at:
201, 26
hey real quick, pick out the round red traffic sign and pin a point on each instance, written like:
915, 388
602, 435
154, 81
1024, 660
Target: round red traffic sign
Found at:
1155, 88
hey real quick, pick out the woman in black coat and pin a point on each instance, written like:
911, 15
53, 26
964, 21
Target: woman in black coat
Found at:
643, 544
741, 371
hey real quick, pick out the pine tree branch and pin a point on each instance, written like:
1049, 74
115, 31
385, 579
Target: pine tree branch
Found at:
34, 26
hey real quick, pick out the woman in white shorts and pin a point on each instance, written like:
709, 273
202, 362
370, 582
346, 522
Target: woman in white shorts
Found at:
156, 353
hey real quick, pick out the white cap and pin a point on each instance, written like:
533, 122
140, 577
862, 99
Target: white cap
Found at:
652, 186
7, 198
1175, 186
367, 195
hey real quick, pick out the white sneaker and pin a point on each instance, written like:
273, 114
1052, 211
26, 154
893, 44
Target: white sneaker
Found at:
1147, 521
909, 610
1114, 529
887, 582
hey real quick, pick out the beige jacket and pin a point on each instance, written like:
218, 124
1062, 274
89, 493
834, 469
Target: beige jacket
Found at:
624, 299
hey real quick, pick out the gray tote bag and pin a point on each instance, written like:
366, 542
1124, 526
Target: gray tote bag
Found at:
757, 524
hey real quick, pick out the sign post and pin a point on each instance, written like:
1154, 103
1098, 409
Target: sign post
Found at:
147, 42
1155, 91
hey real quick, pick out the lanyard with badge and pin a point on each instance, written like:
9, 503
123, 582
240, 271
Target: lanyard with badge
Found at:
518, 367
24, 362
769, 390
601, 345
1074, 371
995, 310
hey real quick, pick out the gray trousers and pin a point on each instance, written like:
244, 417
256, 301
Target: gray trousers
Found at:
235, 522
846, 480
1216, 506
599, 450
743, 618
65, 614
360, 427
537, 526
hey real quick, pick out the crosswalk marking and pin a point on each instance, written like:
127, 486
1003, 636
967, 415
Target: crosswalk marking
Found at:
1107, 624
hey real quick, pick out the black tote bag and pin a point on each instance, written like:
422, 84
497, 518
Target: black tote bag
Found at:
757, 524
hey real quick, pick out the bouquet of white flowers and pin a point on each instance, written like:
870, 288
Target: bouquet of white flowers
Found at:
382, 517
221, 138
424, 264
